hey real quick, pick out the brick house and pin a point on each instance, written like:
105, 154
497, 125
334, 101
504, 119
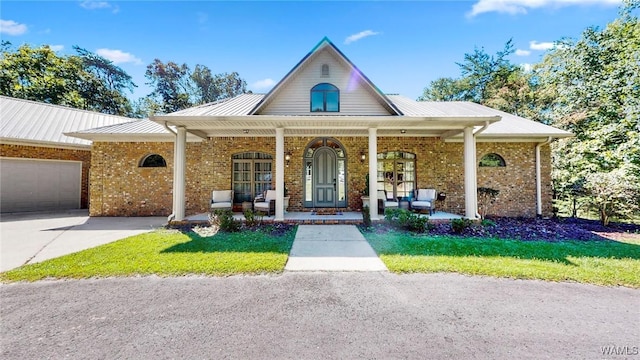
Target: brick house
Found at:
318, 133
40, 167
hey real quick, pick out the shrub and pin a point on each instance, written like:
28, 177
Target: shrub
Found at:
225, 221
250, 218
486, 197
405, 219
460, 225
366, 216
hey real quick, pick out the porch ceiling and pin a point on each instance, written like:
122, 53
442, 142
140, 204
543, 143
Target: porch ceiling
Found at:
259, 125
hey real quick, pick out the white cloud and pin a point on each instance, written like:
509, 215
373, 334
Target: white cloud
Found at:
526, 67
118, 56
264, 84
534, 45
56, 47
360, 35
520, 52
11, 27
96, 5
514, 7
92, 4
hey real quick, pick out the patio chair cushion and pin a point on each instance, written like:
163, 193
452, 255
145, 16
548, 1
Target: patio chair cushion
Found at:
270, 195
221, 196
421, 204
426, 195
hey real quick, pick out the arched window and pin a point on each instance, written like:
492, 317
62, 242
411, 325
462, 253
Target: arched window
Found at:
492, 160
397, 173
153, 160
325, 98
252, 174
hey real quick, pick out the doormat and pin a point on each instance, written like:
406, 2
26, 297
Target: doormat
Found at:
326, 212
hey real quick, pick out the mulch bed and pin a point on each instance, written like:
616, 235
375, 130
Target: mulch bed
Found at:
541, 230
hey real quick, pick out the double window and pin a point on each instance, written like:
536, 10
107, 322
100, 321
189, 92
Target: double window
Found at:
397, 173
252, 174
325, 98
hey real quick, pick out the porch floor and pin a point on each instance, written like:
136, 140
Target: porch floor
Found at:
347, 217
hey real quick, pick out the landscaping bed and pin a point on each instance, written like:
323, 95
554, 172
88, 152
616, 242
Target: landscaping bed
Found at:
528, 229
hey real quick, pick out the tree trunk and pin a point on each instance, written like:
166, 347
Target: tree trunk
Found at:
604, 218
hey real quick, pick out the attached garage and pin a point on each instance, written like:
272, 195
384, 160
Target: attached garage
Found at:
35, 185
41, 168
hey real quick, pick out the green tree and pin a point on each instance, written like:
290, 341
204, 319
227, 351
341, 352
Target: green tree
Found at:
107, 85
172, 85
483, 77
595, 86
84, 81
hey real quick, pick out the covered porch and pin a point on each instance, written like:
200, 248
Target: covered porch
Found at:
369, 128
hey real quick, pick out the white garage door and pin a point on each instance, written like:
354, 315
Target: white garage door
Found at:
34, 185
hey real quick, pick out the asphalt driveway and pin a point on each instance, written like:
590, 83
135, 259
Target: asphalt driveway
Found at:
34, 237
317, 315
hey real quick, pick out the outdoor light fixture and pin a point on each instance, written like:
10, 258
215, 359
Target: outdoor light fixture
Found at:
287, 158
403, 131
363, 157
245, 131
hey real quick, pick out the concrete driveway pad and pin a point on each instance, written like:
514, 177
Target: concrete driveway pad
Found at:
33, 237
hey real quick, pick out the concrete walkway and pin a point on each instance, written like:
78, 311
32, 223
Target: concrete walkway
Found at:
28, 238
332, 248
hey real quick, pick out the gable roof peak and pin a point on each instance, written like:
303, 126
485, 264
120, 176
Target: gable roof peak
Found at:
342, 57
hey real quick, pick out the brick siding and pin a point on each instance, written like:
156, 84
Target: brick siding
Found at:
50, 153
119, 187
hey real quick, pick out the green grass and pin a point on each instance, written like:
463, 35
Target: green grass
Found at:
600, 262
167, 253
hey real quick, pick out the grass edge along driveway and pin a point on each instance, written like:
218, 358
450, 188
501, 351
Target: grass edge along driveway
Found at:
609, 263
168, 253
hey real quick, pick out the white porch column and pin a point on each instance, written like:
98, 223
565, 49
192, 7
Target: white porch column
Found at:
470, 179
279, 174
373, 173
179, 166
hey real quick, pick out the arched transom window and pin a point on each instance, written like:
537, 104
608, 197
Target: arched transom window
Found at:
492, 160
325, 97
153, 160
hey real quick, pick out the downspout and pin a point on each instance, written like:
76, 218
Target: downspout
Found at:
175, 143
538, 177
475, 162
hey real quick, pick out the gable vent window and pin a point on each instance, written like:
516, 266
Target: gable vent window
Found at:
153, 160
325, 70
325, 98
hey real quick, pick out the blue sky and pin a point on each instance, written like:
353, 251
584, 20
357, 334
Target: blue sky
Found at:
400, 45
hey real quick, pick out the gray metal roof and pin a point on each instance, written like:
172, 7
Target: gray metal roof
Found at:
26, 121
239, 105
509, 126
230, 117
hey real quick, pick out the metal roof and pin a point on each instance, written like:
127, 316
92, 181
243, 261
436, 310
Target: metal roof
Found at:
239, 105
509, 126
230, 117
27, 121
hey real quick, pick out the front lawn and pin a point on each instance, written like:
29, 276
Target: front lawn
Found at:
603, 262
169, 253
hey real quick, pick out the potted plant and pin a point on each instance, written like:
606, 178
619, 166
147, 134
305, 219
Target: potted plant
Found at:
286, 199
365, 192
